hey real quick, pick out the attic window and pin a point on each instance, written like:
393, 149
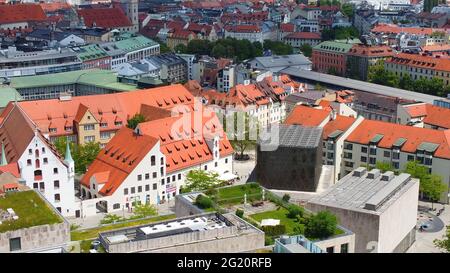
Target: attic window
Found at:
65, 115
114, 111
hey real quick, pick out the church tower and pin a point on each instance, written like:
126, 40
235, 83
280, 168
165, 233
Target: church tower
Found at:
131, 8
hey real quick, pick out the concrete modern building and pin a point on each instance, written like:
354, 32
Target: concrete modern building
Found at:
14, 63
343, 243
74, 83
278, 63
226, 78
380, 208
289, 157
29, 224
204, 233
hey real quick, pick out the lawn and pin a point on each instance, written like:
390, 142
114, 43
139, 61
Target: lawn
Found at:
31, 209
235, 194
85, 247
280, 214
79, 235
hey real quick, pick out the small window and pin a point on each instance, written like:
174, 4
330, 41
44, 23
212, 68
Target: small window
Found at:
56, 184
133, 190
174, 178
29, 162
215, 164
168, 179
116, 206
153, 160
139, 188
155, 174
15, 244
147, 187
55, 170
45, 160
155, 186
57, 197
179, 176
125, 191
226, 160
162, 181
206, 167
139, 177
147, 176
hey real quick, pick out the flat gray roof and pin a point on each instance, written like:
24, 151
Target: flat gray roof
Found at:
290, 136
359, 85
358, 191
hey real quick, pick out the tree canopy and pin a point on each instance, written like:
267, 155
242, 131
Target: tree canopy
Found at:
340, 33
321, 225
133, 122
200, 180
444, 243
306, 49
82, 155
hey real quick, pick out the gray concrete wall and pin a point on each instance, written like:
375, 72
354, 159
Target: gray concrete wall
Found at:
37, 238
185, 208
365, 226
233, 244
337, 242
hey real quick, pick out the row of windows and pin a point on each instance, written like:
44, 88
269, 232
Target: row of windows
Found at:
41, 185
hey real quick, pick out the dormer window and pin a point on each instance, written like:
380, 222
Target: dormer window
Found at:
103, 124
118, 123
52, 130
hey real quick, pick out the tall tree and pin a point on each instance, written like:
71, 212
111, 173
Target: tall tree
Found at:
306, 49
200, 180
82, 155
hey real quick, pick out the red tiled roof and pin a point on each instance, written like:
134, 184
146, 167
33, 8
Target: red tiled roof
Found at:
433, 115
307, 116
370, 51
105, 107
183, 34
391, 132
243, 28
287, 27
105, 17
118, 159
341, 123
21, 13
386, 28
415, 60
187, 147
52, 7
304, 35
12, 168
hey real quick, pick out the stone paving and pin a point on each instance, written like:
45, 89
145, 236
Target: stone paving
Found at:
424, 240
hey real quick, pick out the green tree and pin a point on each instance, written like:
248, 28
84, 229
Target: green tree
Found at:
295, 212
203, 202
200, 180
406, 82
239, 213
242, 138
321, 225
299, 229
83, 155
111, 218
377, 74
347, 10
199, 47
384, 166
434, 188
278, 48
418, 171
144, 210
444, 244
286, 197
180, 48
219, 51
306, 49
135, 120
163, 48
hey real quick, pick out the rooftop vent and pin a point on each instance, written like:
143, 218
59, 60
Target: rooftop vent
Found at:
359, 172
387, 176
373, 174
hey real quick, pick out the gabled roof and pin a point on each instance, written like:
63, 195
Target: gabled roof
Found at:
307, 116
105, 107
368, 130
185, 146
21, 13
433, 115
118, 159
105, 17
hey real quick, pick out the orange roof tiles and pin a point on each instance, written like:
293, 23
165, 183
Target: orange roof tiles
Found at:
386, 28
21, 13
12, 168
341, 123
105, 17
392, 132
52, 7
118, 159
415, 60
433, 115
304, 35
307, 116
106, 107
370, 51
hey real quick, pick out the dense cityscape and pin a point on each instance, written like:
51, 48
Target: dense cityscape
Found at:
224, 126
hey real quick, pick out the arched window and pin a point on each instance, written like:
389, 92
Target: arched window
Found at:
36, 153
37, 164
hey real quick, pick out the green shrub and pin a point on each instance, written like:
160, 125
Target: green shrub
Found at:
203, 202
239, 213
286, 198
299, 229
268, 241
254, 185
211, 192
295, 212
274, 230
320, 226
